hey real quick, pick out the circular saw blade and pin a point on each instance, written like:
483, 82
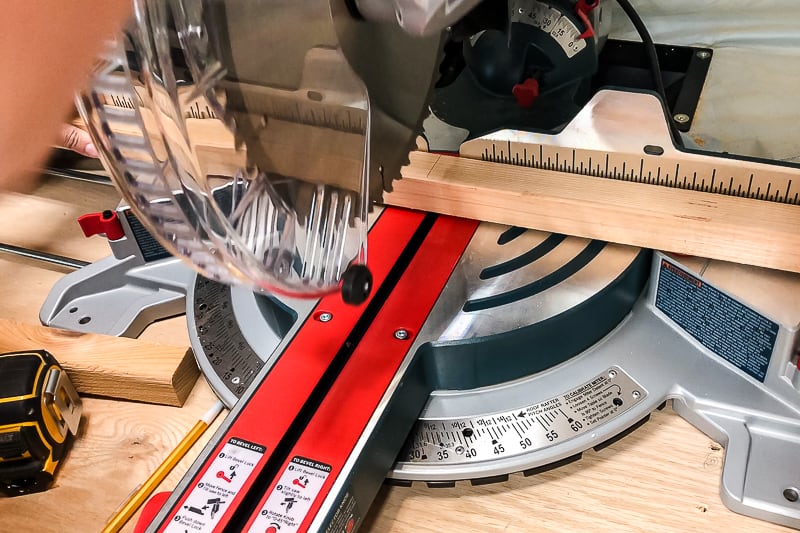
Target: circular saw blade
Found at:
399, 71
393, 71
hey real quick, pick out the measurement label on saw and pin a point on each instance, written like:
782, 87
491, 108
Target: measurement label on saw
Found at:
231, 357
210, 497
547, 423
289, 502
551, 21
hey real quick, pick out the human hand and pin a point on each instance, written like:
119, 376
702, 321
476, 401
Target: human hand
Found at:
74, 138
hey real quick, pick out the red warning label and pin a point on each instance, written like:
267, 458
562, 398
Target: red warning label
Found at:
210, 497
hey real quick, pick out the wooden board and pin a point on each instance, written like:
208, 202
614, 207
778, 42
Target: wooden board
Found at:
723, 227
116, 367
688, 203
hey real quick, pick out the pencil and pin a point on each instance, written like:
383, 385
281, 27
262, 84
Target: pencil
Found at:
138, 498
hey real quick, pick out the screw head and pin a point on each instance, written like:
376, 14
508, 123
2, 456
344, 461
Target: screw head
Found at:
401, 334
681, 118
791, 494
325, 317
236, 380
636, 394
612, 374
702, 54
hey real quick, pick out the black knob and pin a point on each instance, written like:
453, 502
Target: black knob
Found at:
356, 284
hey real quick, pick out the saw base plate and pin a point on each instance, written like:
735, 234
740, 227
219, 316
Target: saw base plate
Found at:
543, 346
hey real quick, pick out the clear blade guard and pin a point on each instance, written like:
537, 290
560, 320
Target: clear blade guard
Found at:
240, 140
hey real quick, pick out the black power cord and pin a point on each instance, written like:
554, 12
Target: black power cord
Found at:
652, 57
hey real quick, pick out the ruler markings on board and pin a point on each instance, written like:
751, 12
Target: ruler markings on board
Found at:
724, 177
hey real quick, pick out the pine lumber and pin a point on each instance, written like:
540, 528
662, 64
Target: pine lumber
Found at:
114, 367
717, 226
708, 224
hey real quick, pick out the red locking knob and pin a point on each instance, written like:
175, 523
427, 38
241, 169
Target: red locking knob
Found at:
106, 223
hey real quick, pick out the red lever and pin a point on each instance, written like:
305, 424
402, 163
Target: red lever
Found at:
583, 8
106, 223
150, 510
526, 92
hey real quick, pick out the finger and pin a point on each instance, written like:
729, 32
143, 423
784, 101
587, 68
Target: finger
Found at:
77, 140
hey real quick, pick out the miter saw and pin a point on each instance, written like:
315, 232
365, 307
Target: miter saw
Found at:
250, 138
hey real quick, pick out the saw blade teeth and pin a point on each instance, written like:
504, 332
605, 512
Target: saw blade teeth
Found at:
392, 165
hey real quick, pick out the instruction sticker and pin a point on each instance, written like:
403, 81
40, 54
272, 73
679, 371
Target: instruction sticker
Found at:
213, 493
727, 327
290, 500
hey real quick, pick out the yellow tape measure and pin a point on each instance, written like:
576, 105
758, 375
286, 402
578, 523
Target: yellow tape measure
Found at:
39, 409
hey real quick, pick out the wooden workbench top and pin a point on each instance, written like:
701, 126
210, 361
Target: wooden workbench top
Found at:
663, 477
